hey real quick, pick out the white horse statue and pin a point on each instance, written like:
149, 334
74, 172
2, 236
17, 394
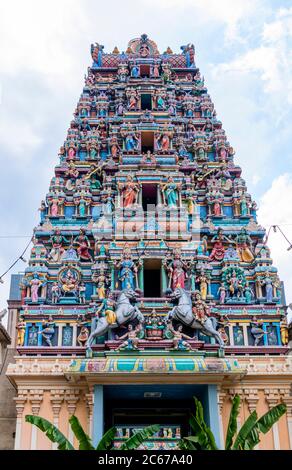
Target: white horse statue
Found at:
183, 313
124, 311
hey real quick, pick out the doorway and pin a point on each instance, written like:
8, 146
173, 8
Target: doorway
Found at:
149, 197
152, 278
147, 141
146, 102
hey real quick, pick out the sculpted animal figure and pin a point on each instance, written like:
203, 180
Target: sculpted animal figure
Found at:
183, 313
124, 312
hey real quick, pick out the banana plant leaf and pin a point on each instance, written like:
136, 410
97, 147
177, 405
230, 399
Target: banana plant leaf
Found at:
83, 439
51, 432
139, 437
248, 426
264, 424
107, 439
232, 424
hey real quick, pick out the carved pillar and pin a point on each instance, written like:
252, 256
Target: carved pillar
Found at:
74, 337
273, 398
221, 395
20, 401
231, 336
57, 397
35, 398
89, 405
71, 398
287, 399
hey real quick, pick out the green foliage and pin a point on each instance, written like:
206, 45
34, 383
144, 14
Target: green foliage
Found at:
107, 440
83, 439
246, 439
232, 425
203, 438
51, 432
139, 437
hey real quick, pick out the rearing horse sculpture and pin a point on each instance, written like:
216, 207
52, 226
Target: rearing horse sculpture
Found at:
183, 313
124, 311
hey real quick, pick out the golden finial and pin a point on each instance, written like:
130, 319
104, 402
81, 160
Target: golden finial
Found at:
116, 51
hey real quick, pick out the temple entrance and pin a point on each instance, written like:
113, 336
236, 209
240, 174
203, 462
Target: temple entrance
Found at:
149, 197
131, 407
145, 71
147, 141
152, 278
146, 101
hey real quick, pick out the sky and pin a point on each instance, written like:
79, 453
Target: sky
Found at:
243, 49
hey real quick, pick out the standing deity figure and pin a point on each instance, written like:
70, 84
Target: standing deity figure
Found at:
48, 330
55, 293
129, 192
82, 241
101, 281
200, 309
35, 284
57, 240
81, 293
248, 293
222, 293
243, 205
128, 270
155, 71
268, 283
21, 327
131, 139
177, 270
178, 340
170, 192
43, 210
135, 71
284, 330
244, 246
133, 102
235, 285
114, 147
131, 338
218, 250
203, 282
163, 140
256, 330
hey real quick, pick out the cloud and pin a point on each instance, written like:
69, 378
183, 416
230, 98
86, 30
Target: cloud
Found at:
275, 208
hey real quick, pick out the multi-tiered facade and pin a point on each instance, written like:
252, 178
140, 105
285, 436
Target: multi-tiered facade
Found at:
148, 265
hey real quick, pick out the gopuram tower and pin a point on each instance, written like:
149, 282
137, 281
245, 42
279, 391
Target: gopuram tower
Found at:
149, 281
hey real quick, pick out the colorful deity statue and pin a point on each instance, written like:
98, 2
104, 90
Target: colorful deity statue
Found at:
135, 71
107, 310
131, 338
21, 328
218, 251
248, 293
257, 331
163, 140
177, 270
82, 293
35, 284
170, 192
128, 270
200, 309
83, 336
269, 284
222, 293
179, 339
244, 246
284, 330
83, 244
234, 278
55, 292
129, 192
203, 282
48, 330
69, 281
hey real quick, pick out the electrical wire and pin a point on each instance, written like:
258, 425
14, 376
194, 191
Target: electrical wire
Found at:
21, 257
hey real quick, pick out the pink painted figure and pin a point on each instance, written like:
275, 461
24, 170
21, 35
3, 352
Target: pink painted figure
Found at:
55, 207
71, 153
217, 208
35, 284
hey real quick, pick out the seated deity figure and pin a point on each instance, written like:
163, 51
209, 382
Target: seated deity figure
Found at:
131, 338
179, 339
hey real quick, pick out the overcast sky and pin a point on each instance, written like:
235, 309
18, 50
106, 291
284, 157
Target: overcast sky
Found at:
244, 51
